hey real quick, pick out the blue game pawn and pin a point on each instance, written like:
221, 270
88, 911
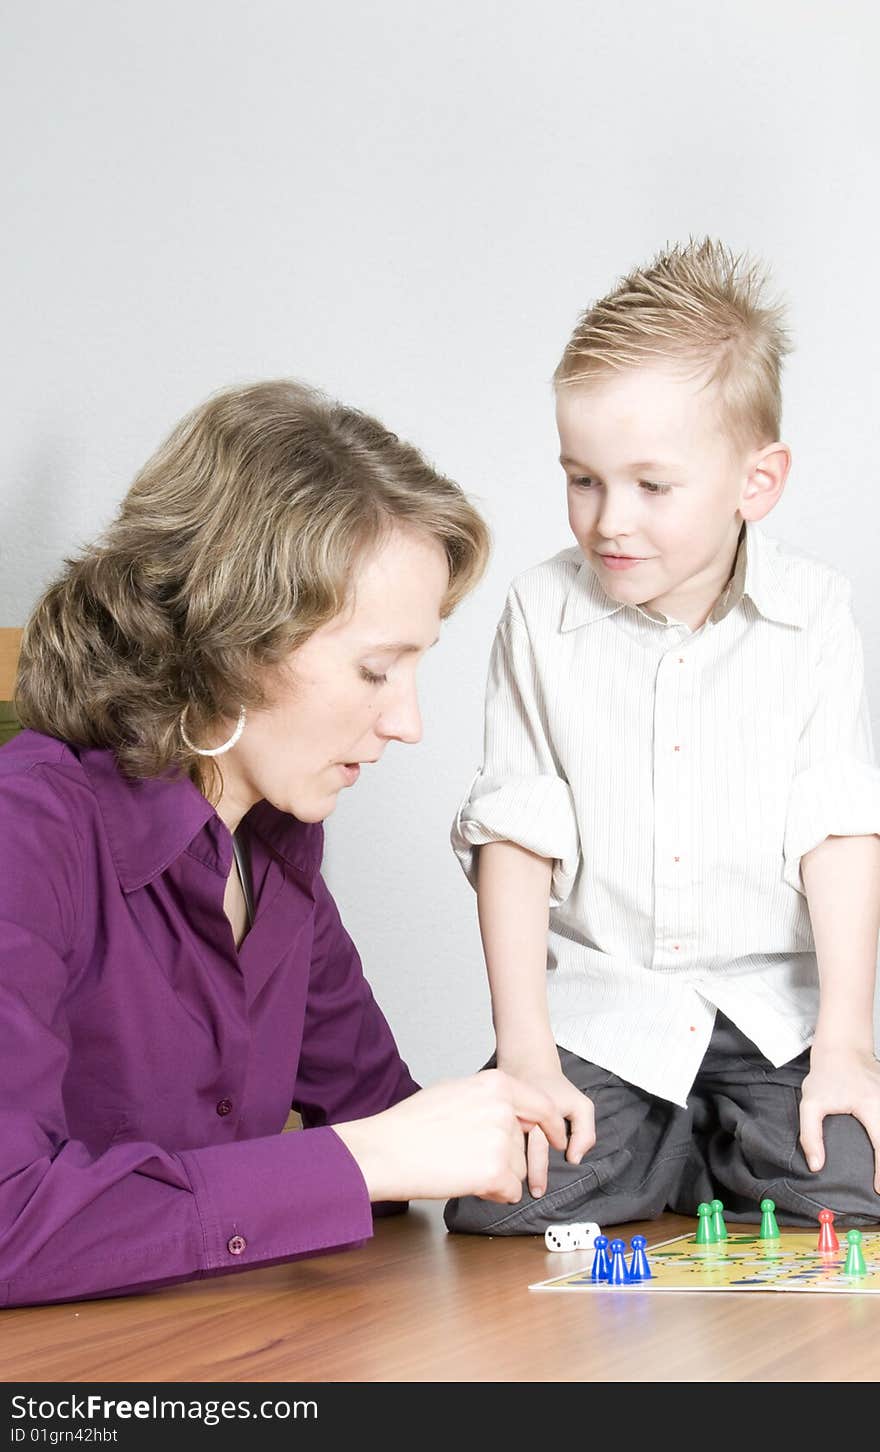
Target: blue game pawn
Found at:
618, 1273
639, 1270
601, 1270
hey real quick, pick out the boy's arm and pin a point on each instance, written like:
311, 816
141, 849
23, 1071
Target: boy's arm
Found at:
513, 900
835, 791
832, 855
520, 795
841, 879
516, 837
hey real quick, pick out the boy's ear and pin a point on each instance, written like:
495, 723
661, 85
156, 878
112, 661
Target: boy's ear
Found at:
768, 472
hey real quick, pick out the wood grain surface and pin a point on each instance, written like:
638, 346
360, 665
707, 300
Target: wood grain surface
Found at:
416, 1304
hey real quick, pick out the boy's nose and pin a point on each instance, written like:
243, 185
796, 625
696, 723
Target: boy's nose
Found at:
613, 522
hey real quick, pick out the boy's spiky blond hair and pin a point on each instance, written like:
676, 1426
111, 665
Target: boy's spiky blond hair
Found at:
701, 306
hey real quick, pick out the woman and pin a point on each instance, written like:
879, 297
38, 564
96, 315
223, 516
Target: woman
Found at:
199, 688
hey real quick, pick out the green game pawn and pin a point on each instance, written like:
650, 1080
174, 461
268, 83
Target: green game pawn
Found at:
705, 1229
769, 1228
719, 1229
855, 1256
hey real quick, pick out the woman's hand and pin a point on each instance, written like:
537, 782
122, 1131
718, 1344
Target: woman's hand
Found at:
459, 1137
574, 1106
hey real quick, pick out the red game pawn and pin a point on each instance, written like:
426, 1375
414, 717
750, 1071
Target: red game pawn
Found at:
827, 1235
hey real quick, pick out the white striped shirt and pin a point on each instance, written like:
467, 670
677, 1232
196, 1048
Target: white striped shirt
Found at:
676, 778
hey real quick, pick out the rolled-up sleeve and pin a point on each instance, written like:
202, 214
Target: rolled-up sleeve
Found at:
520, 794
835, 791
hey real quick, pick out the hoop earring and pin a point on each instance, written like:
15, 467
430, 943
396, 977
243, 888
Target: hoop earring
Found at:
213, 750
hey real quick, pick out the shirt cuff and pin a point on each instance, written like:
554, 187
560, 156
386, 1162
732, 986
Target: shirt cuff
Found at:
278, 1197
839, 798
536, 812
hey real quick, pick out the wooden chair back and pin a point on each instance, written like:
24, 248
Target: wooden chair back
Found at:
10, 644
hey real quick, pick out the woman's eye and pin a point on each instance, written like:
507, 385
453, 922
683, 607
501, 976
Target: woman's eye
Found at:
585, 482
651, 488
372, 679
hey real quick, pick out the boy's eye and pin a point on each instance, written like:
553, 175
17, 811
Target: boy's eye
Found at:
371, 679
587, 481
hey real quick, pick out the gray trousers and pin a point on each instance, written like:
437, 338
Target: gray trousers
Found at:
737, 1141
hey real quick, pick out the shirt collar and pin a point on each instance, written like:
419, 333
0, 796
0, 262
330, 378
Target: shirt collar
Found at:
586, 600
764, 582
300, 844
735, 588
150, 821
755, 574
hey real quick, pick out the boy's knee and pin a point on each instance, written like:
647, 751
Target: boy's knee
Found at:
467, 1215
571, 1194
849, 1166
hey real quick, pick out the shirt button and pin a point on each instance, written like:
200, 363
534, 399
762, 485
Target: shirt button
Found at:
236, 1244
676, 859
224, 1107
676, 946
681, 660
676, 748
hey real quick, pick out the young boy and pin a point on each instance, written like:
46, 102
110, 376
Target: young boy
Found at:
673, 834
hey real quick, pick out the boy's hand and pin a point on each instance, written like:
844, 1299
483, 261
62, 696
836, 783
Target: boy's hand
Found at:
572, 1105
840, 1082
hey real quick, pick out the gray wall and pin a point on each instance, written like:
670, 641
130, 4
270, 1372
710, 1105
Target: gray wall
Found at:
408, 205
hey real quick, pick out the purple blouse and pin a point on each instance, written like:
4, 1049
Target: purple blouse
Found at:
147, 1066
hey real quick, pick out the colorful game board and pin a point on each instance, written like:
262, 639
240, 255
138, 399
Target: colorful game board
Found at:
743, 1262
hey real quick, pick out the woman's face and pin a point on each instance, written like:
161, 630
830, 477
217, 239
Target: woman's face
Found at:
340, 698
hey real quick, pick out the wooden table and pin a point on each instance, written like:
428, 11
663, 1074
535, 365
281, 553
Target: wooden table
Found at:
418, 1305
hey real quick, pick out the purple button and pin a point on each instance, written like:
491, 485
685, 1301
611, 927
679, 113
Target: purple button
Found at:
236, 1244
224, 1107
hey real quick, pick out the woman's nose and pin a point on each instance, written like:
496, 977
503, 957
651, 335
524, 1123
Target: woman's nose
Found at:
402, 719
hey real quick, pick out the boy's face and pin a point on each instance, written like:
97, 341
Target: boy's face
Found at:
655, 485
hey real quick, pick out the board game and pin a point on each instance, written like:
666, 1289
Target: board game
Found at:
743, 1262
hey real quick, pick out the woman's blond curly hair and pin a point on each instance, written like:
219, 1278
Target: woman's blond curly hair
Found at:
238, 539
